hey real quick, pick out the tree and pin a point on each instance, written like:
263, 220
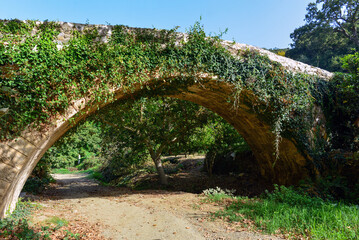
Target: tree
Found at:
320, 46
342, 111
83, 140
341, 15
151, 125
330, 33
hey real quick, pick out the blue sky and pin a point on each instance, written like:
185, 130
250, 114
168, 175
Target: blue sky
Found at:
263, 23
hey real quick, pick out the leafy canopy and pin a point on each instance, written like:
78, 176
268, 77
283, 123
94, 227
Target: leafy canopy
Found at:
342, 15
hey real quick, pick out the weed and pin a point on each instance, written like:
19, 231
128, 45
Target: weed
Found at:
217, 194
55, 220
70, 235
196, 206
97, 175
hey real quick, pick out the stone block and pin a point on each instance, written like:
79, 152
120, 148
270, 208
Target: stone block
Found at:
11, 157
33, 136
8, 173
61, 36
7, 161
18, 160
79, 104
23, 146
6, 151
3, 187
70, 112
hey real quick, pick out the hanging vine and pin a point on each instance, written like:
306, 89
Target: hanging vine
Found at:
38, 80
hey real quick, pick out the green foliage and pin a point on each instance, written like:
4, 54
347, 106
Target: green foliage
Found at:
63, 171
342, 15
329, 35
219, 140
319, 46
74, 170
46, 79
97, 176
341, 108
70, 235
351, 64
36, 185
226, 138
15, 26
279, 51
16, 225
148, 127
331, 188
40, 178
288, 211
213, 134
217, 194
57, 221
82, 141
331, 32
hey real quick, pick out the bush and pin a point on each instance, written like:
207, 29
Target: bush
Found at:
89, 162
40, 178
341, 107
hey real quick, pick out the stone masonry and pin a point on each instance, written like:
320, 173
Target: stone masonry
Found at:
19, 156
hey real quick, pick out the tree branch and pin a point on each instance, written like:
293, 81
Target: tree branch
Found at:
117, 126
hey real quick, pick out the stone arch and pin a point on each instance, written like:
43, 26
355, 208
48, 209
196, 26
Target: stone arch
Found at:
18, 157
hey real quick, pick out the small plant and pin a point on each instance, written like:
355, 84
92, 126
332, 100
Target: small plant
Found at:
16, 226
58, 222
97, 175
196, 206
217, 194
70, 235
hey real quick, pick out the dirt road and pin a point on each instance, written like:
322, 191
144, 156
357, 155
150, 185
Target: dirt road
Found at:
120, 213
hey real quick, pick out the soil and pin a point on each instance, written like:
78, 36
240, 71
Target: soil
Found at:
102, 212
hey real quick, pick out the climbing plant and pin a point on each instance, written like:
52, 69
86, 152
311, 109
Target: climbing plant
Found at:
341, 105
42, 78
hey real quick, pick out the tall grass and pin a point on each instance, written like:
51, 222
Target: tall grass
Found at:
288, 211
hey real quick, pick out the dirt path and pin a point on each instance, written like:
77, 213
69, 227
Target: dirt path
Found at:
120, 213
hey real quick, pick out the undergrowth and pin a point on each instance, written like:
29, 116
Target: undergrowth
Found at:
18, 226
294, 214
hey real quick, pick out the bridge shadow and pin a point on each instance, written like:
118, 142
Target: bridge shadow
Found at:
77, 186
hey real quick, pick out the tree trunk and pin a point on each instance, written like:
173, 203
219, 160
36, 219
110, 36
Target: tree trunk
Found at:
160, 171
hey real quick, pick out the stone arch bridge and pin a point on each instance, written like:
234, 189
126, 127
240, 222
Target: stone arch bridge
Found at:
19, 156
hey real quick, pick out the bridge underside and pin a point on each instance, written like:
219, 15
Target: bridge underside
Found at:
20, 156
